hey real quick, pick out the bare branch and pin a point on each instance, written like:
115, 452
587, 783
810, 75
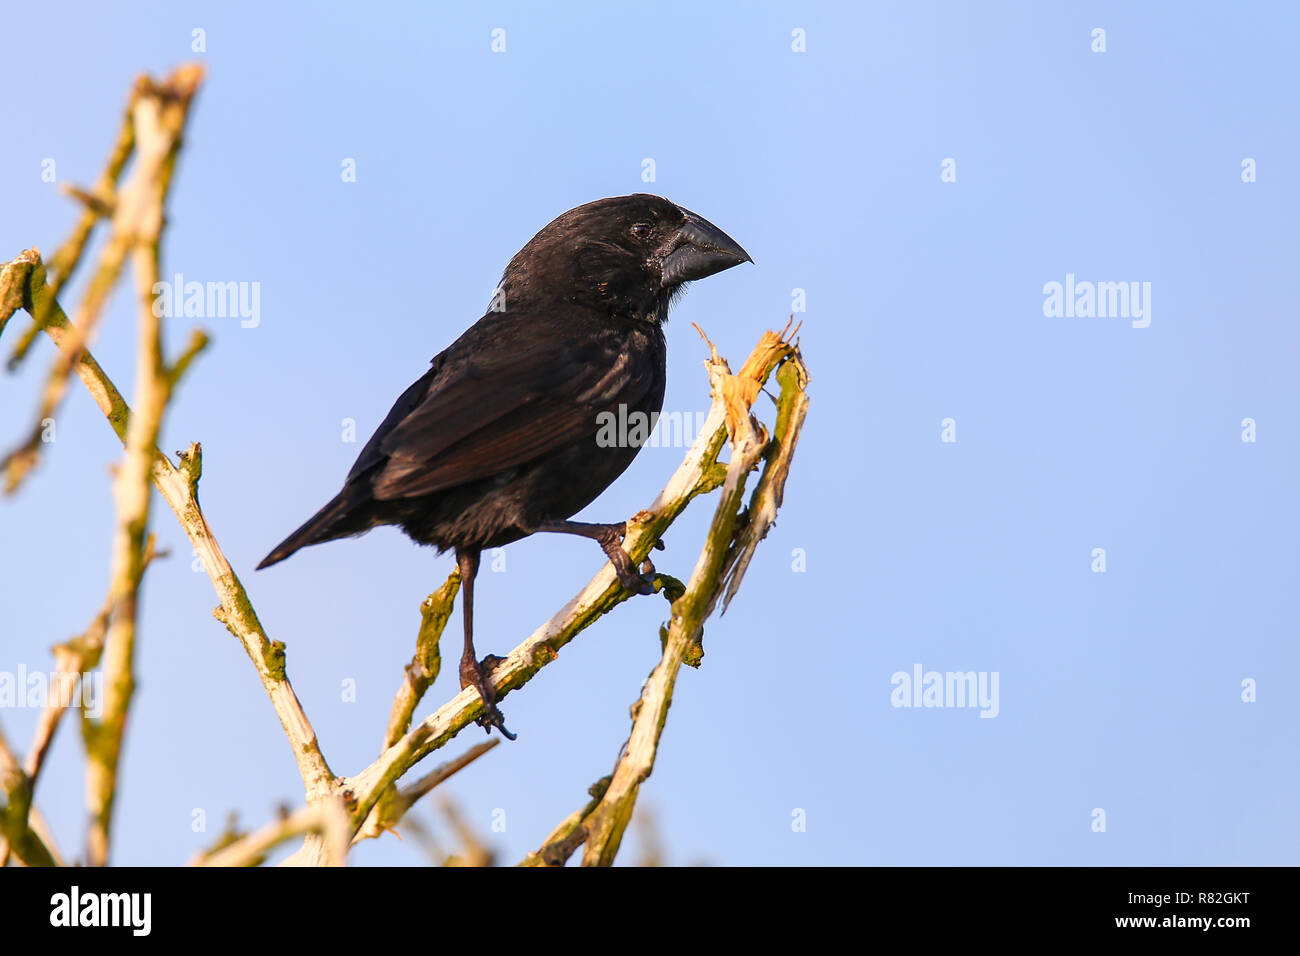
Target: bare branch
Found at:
179, 488
328, 818
160, 112
476, 852
602, 823
72, 660
426, 662
159, 117
65, 261
792, 408
19, 836
409, 796
565, 839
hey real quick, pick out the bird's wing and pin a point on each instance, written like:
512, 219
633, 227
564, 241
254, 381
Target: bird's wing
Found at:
519, 390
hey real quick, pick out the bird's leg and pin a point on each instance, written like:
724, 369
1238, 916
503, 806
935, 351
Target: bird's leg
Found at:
610, 538
474, 672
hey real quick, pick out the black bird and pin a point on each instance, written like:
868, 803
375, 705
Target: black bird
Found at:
498, 439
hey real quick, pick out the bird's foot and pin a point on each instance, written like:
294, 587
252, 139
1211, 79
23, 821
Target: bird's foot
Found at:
475, 674
611, 541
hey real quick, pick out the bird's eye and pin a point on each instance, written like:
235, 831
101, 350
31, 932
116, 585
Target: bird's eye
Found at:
641, 230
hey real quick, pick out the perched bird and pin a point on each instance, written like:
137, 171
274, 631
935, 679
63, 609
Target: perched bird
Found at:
498, 439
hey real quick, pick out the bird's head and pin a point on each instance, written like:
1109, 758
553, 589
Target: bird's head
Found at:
628, 255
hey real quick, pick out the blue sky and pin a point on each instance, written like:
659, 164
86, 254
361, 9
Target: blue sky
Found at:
1119, 690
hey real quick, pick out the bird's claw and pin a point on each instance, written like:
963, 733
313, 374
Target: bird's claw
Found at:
612, 542
627, 575
475, 674
492, 717
637, 583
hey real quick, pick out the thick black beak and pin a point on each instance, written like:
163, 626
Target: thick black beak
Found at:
702, 250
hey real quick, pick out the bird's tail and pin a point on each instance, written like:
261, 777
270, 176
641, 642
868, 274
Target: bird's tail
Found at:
325, 525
